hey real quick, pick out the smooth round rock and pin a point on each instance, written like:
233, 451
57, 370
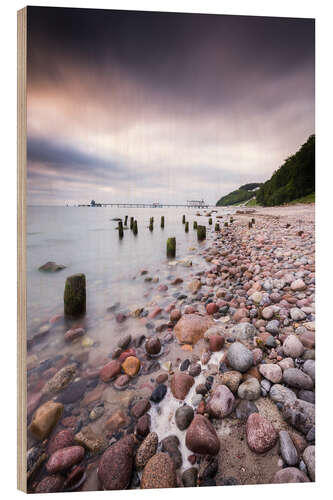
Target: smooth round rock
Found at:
239, 357
184, 416
64, 458
297, 378
309, 459
146, 450
260, 433
290, 475
293, 347
221, 402
250, 389
287, 449
159, 472
116, 464
201, 437
271, 372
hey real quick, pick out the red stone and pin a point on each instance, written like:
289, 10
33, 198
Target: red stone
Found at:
64, 459
111, 370
216, 342
211, 308
127, 354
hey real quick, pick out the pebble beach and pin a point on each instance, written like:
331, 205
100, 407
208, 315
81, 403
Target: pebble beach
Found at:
208, 381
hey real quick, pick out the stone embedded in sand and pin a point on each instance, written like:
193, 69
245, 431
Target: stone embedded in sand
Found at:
245, 408
293, 347
201, 437
221, 402
110, 370
191, 328
64, 459
60, 380
45, 418
290, 475
250, 389
180, 384
116, 465
159, 472
300, 414
131, 366
287, 449
260, 433
153, 345
216, 342
271, 372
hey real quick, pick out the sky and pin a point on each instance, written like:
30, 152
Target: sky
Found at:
127, 106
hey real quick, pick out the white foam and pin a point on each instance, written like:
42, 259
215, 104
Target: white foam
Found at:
163, 414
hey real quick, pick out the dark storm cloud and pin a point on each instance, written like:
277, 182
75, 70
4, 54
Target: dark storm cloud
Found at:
165, 105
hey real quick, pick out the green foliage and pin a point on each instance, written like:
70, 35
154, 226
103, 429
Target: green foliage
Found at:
234, 198
294, 179
251, 186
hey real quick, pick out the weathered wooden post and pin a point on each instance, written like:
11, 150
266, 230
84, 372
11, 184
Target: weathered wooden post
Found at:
195, 225
162, 221
75, 295
184, 219
250, 225
217, 226
186, 227
135, 227
201, 232
126, 218
253, 220
171, 247
210, 221
131, 222
225, 224
120, 229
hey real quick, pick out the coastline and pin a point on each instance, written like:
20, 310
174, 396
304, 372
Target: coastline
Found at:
246, 277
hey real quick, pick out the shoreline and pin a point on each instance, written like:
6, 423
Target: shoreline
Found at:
245, 284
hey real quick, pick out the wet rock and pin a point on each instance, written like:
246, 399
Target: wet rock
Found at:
175, 315
191, 328
189, 477
184, 365
293, 347
90, 440
73, 393
60, 440
116, 465
212, 308
194, 286
309, 459
260, 433
153, 346
170, 445
60, 380
140, 408
110, 371
250, 389
158, 393
195, 370
245, 408
184, 416
287, 449
180, 384
117, 420
131, 366
201, 437
143, 425
96, 413
300, 414
64, 459
45, 418
239, 357
51, 267
125, 341
122, 382
73, 334
271, 372
290, 475
297, 378
146, 450
50, 484
281, 394
159, 472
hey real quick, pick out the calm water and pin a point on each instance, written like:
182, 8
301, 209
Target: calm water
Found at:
85, 240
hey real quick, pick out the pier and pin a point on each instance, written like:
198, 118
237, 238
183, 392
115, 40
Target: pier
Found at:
191, 204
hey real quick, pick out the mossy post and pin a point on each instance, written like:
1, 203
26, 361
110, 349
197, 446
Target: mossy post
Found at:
120, 229
201, 232
135, 227
162, 221
210, 221
171, 247
184, 219
195, 225
217, 227
131, 222
231, 220
126, 218
186, 227
253, 221
250, 225
225, 224
75, 295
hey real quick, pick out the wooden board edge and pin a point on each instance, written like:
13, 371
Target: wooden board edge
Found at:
21, 249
